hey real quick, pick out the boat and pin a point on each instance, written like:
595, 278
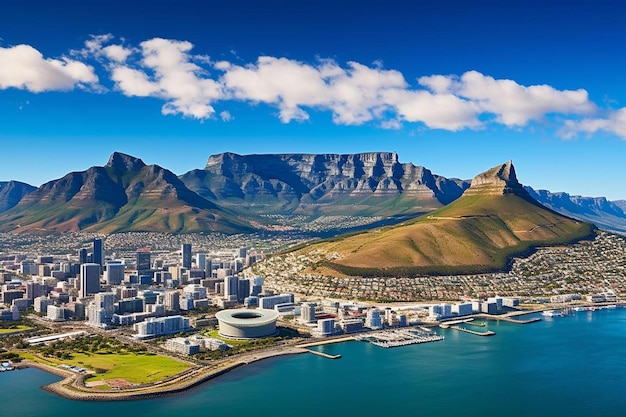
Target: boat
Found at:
553, 313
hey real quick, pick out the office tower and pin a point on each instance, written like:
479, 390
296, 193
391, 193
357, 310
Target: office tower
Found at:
231, 286
143, 261
82, 256
185, 252
97, 252
243, 290
201, 261
89, 279
114, 272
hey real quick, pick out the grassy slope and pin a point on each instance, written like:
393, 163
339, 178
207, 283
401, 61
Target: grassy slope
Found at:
473, 234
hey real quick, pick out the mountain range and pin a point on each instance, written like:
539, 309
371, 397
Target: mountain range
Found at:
233, 192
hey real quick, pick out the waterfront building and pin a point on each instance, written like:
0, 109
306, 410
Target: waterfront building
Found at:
89, 279
182, 346
185, 253
155, 327
268, 303
440, 311
307, 312
373, 319
351, 325
489, 308
463, 309
326, 327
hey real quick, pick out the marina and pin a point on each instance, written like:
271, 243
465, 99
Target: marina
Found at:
400, 337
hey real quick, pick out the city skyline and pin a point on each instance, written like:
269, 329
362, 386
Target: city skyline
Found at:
452, 86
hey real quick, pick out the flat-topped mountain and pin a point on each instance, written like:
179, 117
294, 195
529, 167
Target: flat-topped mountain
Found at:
493, 220
123, 195
365, 183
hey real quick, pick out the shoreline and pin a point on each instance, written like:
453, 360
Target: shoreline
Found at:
72, 386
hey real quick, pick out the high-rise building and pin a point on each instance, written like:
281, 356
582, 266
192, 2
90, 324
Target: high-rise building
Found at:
82, 256
201, 261
143, 261
89, 279
114, 272
185, 252
98, 252
307, 312
105, 301
231, 286
172, 301
243, 289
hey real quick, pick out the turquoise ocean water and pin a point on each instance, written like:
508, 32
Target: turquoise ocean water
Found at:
571, 366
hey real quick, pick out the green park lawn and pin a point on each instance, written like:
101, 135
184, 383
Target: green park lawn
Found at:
15, 329
137, 369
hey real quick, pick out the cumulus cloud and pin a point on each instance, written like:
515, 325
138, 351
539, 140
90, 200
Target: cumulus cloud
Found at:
24, 67
165, 69
353, 94
513, 104
192, 85
614, 123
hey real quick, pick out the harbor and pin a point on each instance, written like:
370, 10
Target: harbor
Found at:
400, 337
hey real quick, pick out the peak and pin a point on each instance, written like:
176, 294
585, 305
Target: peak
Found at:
122, 161
499, 180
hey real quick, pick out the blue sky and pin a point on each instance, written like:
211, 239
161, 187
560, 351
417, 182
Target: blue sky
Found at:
455, 86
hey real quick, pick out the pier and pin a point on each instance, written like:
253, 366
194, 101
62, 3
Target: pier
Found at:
322, 354
461, 329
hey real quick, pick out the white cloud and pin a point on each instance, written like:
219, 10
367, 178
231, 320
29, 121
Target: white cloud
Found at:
615, 124
192, 84
226, 116
165, 70
117, 52
512, 103
24, 67
354, 95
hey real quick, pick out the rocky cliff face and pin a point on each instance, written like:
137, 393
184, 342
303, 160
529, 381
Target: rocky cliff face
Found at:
12, 192
297, 181
498, 180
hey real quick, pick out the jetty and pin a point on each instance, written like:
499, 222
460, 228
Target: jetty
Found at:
461, 329
322, 354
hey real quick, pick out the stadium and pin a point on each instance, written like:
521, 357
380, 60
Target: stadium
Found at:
247, 324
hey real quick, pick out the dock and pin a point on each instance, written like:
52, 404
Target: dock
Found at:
461, 329
403, 337
322, 354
